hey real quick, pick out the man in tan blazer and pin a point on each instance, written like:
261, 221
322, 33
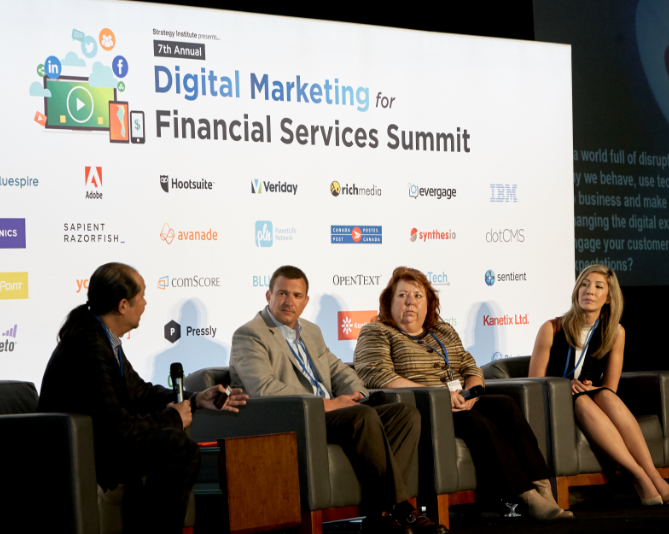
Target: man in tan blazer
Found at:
277, 353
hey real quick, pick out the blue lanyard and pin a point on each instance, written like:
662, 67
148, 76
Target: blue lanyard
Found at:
443, 348
585, 348
119, 353
312, 375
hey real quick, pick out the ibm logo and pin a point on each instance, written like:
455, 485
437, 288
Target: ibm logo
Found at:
503, 193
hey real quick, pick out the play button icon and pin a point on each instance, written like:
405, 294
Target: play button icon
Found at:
80, 104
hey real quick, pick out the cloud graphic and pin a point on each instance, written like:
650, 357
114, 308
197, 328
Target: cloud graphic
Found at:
102, 76
73, 60
36, 89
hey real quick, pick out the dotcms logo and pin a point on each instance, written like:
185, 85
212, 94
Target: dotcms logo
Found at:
349, 323
356, 234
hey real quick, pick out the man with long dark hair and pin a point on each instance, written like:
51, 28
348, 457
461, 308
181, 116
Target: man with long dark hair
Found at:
138, 428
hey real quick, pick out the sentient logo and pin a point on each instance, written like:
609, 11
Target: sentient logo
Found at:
352, 234
503, 193
490, 277
278, 187
12, 233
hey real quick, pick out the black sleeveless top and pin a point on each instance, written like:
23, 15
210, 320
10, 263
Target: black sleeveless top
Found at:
593, 368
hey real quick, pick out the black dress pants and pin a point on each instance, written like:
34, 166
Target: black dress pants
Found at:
170, 462
503, 446
380, 443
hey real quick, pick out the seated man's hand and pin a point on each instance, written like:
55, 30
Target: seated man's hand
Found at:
205, 399
343, 401
184, 411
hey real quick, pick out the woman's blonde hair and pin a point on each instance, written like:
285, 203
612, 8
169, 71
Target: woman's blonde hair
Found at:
609, 317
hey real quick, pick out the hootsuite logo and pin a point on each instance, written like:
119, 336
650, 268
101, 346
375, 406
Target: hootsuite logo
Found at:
12, 233
178, 184
349, 323
169, 234
9, 342
354, 234
353, 190
431, 235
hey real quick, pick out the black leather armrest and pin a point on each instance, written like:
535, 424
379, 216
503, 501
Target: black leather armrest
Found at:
403, 395
302, 414
529, 395
206, 378
49, 473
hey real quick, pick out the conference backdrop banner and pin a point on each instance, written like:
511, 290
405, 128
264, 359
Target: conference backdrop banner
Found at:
206, 148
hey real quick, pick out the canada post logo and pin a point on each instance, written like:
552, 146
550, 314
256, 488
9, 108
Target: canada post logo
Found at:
352, 234
13, 286
349, 323
12, 233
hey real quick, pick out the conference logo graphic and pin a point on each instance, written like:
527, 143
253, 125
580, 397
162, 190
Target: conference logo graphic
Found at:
191, 185
12, 233
416, 191
352, 234
506, 320
13, 286
26, 181
258, 186
266, 233
349, 323
337, 189
93, 180
438, 279
172, 331
506, 236
504, 277
503, 193
189, 282
7, 345
432, 235
168, 235
89, 233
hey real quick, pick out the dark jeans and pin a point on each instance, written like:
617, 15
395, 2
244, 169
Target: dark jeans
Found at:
170, 462
504, 448
380, 443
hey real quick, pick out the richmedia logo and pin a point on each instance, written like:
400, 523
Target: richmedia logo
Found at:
349, 323
434, 235
257, 187
503, 193
356, 280
362, 235
352, 190
165, 182
261, 281
7, 345
168, 235
172, 331
435, 192
13, 286
194, 281
504, 277
93, 181
88, 233
506, 320
12, 233
506, 236
26, 181
438, 279
266, 234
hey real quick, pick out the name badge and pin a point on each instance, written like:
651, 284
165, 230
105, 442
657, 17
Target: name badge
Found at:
454, 385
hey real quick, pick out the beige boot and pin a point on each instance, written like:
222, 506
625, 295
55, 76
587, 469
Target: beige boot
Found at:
543, 488
539, 508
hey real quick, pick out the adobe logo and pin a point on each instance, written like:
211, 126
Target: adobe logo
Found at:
95, 177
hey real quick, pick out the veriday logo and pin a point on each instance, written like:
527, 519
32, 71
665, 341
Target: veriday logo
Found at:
269, 187
12, 233
264, 234
503, 193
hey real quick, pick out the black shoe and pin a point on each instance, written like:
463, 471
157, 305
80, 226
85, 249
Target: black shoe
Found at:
384, 524
421, 524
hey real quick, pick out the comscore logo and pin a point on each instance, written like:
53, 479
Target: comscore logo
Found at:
13, 286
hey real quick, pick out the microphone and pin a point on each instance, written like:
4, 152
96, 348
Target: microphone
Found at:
177, 375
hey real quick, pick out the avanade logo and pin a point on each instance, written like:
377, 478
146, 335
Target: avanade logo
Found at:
93, 181
13, 286
12, 233
350, 322
352, 234
269, 187
168, 235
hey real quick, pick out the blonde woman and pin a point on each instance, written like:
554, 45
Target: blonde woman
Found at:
587, 346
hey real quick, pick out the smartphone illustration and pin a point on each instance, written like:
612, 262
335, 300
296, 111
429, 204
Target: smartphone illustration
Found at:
137, 126
118, 122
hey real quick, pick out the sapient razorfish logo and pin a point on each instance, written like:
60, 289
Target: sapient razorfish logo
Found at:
349, 323
351, 234
7, 345
12, 233
433, 235
13, 286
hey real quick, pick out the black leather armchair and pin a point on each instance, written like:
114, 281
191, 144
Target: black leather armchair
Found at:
48, 466
329, 488
571, 459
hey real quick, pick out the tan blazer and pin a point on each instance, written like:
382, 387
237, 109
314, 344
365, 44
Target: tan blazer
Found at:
262, 363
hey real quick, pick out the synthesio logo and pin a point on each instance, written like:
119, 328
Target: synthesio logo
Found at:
438, 192
184, 184
352, 190
278, 187
503, 193
93, 180
349, 323
356, 234
434, 235
7, 345
12, 233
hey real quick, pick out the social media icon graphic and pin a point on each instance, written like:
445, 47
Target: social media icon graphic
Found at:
264, 234
414, 235
118, 122
40, 119
172, 331
78, 36
167, 234
107, 39
164, 282
335, 189
490, 277
80, 104
53, 67
89, 46
413, 191
121, 86
40, 70
165, 182
95, 177
120, 66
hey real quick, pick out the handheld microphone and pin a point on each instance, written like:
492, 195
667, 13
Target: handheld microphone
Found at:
177, 375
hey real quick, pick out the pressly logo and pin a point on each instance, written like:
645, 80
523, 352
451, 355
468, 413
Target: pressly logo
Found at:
503, 193
278, 187
172, 331
12, 233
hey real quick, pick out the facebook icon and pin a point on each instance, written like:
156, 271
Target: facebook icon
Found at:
120, 67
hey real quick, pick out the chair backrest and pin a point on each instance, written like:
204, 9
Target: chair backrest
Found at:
208, 377
17, 397
518, 367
